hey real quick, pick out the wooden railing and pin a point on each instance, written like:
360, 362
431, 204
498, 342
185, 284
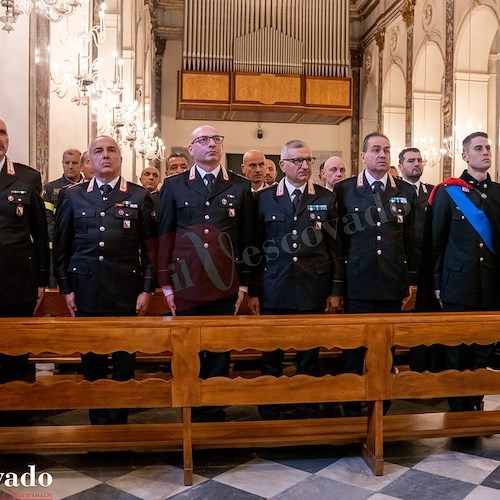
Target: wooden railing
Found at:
185, 337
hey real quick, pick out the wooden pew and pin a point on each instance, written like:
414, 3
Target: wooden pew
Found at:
186, 337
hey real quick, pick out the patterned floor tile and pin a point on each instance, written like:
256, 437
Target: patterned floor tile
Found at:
322, 488
493, 480
418, 485
211, 463
460, 466
381, 496
212, 490
410, 453
262, 477
102, 492
483, 493
354, 471
154, 482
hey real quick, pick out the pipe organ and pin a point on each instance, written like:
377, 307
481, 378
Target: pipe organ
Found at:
267, 36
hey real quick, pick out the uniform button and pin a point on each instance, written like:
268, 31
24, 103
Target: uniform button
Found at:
186, 203
207, 217
83, 213
295, 259
207, 203
463, 216
356, 209
379, 252
205, 245
294, 245
206, 231
481, 259
379, 238
74, 269
101, 244
295, 219
294, 231
379, 209
379, 224
481, 245
102, 214
101, 258
102, 228
273, 217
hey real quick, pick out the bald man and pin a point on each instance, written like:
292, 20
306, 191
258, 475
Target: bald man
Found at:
253, 168
334, 170
271, 172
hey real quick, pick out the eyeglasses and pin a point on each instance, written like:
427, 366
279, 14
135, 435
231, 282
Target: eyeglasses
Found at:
298, 161
203, 140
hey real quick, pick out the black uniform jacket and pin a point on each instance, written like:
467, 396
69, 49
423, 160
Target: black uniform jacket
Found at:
464, 269
378, 238
203, 236
24, 246
421, 204
101, 248
301, 259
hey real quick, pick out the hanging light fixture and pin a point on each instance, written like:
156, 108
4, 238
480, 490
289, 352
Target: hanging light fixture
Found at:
54, 10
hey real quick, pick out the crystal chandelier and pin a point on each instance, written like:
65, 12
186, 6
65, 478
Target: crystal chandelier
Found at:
430, 153
148, 144
54, 10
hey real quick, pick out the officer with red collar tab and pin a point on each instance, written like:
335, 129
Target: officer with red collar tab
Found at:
465, 251
377, 231
24, 248
206, 221
301, 269
101, 237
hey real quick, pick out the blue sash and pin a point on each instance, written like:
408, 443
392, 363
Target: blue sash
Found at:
476, 217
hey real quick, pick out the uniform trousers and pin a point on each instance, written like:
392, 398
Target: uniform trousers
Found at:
95, 367
465, 357
353, 359
212, 364
307, 364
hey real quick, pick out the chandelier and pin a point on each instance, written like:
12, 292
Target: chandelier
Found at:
54, 10
431, 154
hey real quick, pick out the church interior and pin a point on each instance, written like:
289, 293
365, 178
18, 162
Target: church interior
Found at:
425, 73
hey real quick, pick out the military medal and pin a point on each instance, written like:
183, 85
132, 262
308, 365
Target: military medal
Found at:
121, 211
400, 219
223, 201
19, 210
126, 224
10, 198
318, 225
231, 212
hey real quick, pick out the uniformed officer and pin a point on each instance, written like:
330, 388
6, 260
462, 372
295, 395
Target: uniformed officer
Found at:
465, 248
206, 221
150, 179
377, 228
304, 275
333, 171
254, 168
71, 174
411, 165
102, 233
24, 248
177, 163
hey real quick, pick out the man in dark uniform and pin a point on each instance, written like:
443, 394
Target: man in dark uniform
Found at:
206, 221
377, 229
465, 246
24, 248
71, 174
101, 260
150, 179
303, 276
411, 165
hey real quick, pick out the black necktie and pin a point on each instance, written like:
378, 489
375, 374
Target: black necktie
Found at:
105, 190
296, 200
377, 186
209, 180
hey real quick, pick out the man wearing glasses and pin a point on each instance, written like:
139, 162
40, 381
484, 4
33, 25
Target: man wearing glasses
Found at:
206, 221
302, 273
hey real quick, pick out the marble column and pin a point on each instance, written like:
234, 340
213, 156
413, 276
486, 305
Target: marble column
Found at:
39, 93
408, 14
159, 45
448, 82
380, 39
356, 63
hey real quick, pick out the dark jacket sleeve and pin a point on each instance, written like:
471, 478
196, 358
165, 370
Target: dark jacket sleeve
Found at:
148, 243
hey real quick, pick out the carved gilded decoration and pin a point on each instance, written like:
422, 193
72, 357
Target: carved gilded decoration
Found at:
408, 12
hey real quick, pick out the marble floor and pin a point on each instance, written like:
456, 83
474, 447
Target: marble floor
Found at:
434, 469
